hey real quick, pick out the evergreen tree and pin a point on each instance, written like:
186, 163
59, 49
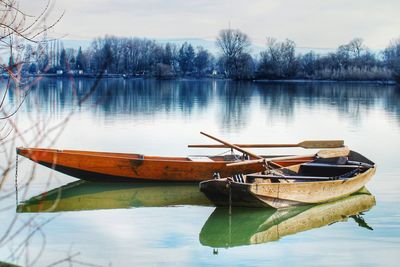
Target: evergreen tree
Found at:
72, 62
79, 64
32, 68
167, 57
63, 59
186, 58
202, 61
11, 63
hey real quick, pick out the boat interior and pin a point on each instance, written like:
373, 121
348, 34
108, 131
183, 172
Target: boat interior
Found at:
320, 169
193, 158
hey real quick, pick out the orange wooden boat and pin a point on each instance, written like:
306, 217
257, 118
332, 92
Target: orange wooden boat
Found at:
106, 166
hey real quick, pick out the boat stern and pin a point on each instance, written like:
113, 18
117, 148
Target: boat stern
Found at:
36, 154
23, 151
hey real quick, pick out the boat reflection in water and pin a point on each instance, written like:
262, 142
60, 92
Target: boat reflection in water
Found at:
83, 195
248, 226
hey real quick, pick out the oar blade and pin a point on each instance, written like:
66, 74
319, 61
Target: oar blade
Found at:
322, 144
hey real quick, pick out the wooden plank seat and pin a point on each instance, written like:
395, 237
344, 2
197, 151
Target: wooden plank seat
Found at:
200, 158
287, 177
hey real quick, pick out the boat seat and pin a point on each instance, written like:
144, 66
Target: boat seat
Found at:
200, 158
335, 160
288, 177
325, 169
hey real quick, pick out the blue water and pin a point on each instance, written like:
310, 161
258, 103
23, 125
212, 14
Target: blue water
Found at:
162, 118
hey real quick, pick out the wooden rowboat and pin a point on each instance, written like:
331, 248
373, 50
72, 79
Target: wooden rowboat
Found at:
319, 181
246, 226
106, 166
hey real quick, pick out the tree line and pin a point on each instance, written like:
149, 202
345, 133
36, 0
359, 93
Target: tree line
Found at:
279, 60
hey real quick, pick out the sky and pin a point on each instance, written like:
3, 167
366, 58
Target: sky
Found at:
310, 23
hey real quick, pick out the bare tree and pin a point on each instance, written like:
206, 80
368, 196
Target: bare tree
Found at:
392, 58
19, 31
356, 47
235, 46
278, 60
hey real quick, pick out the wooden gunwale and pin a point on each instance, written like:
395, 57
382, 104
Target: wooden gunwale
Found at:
105, 166
138, 156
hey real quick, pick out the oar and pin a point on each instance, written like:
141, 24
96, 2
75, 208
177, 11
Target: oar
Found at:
248, 162
254, 161
305, 144
331, 153
226, 144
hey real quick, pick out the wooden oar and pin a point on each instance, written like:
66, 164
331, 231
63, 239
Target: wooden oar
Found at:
331, 153
254, 161
226, 144
305, 144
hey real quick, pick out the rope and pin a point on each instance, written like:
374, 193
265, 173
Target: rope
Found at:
225, 152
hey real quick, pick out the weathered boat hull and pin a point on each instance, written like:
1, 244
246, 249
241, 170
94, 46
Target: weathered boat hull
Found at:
225, 192
105, 166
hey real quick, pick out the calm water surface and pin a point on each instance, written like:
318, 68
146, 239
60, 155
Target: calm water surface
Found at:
173, 224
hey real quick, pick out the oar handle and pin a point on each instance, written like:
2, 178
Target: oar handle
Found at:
245, 145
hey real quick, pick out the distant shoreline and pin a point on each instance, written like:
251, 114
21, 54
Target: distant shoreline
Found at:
121, 76
389, 82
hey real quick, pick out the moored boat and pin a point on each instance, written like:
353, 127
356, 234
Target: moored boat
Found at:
321, 180
106, 166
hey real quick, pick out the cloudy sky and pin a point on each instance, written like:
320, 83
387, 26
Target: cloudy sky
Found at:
310, 23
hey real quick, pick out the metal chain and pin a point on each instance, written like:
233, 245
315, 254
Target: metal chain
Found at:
230, 199
16, 179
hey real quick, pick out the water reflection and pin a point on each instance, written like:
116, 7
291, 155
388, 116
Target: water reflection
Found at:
352, 99
248, 226
231, 101
83, 195
235, 99
5, 264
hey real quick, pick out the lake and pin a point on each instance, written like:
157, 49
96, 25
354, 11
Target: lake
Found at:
61, 221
